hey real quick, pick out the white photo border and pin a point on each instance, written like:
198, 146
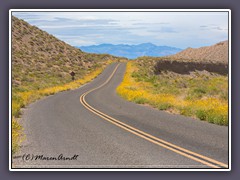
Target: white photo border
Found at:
117, 10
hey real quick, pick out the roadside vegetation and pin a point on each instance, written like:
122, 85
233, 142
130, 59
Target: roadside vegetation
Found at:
21, 99
41, 66
201, 95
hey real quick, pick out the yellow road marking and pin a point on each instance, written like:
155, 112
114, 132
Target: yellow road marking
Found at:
147, 136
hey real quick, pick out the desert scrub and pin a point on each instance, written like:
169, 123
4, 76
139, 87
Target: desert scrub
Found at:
41, 65
198, 95
22, 97
17, 135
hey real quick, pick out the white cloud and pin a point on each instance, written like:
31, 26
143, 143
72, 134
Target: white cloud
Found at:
180, 29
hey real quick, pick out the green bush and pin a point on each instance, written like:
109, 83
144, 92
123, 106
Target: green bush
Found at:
164, 106
215, 118
201, 114
186, 111
140, 100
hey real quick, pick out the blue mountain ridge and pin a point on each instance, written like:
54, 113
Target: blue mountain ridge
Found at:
131, 51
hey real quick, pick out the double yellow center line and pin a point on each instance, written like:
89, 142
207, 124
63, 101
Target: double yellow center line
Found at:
177, 149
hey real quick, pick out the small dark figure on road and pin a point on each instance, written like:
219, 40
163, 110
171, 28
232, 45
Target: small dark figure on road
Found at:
72, 74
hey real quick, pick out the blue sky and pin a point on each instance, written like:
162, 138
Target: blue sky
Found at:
177, 29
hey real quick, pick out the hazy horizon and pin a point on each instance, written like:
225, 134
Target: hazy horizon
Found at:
146, 43
174, 29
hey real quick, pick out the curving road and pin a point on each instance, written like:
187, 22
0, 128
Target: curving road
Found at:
92, 127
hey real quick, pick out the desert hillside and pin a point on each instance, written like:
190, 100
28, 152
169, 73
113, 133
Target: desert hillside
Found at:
194, 83
41, 60
41, 66
217, 53
209, 58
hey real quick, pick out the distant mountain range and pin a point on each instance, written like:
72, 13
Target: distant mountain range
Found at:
131, 51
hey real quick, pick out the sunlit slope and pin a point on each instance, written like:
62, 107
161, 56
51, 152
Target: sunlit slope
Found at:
192, 87
217, 53
41, 60
41, 65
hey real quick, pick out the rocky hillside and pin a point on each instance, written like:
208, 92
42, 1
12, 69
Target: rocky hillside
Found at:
40, 60
217, 53
210, 58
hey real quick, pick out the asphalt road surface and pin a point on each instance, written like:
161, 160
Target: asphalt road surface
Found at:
92, 127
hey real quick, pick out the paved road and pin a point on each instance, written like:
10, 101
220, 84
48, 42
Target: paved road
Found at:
103, 130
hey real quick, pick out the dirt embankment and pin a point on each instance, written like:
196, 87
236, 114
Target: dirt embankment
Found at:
181, 67
209, 58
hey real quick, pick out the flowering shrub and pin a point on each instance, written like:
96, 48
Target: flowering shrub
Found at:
21, 99
203, 106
